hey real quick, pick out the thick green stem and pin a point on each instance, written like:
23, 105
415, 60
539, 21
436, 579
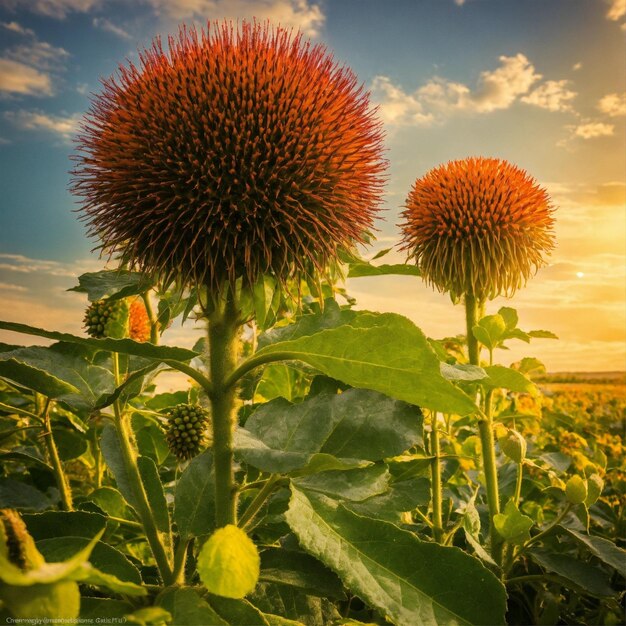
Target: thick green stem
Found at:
471, 319
180, 556
129, 456
154, 323
224, 330
255, 506
55, 459
435, 477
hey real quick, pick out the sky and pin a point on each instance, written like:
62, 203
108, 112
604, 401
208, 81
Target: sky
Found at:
541, 83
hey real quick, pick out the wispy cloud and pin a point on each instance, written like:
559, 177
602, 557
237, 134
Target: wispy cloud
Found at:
15, 27
107, 25
554, 95
19, 78
592, 130
58, 9
63, 125
496, 89
38, 54
613, 104
301, 14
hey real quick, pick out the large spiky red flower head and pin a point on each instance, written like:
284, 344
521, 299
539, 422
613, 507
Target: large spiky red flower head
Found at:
240, 151
478, 226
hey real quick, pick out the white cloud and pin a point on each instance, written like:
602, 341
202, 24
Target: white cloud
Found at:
104, 24
63, 125
613, 104
18, 28
498, 89
39, 54
591, 130
51, 8
396, 106
617, 9
11, 287
553, 95
18, 78
577, 66
302, 14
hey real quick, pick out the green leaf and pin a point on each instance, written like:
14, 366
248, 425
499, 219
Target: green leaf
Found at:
187, 607
355, 484
123, 346
91, 576
277, 380
111, 501
103, 556
237, 612
363, 268
229, 563
490, 330
513, 525
604, 549
507, 378
64, 524
194, 498
32, 377
150, 616
112, 284
301, 571
592, 579
409, 581
510, 317
383, 352
154, 490
357, 424
103, 608
70, 444
16, 494
463, 371
542, 334
112, 453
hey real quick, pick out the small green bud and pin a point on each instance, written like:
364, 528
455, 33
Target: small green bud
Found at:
186, 433
513, 445
576, 490
595, 485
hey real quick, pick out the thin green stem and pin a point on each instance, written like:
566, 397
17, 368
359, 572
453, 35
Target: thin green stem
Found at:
259, 500
125, 522
194, 374
435, 476
423, 518
24, 412
224, 328
154, 323
97, 457
554, 524
256, 361
518, 483
55, 459
129, 456
180, 556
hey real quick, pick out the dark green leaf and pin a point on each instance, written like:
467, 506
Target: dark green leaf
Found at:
32, 377
592, 579
188, 608
64, 524
111, 501
542, 334
112, 284
409, 581
194, 511
112, 453
510, 317
70, 444
383, 352
103, 556
123, 346
363, 268
15, 494
154, 490
355, 484
300, 570
237, 612
604, 549
103, 609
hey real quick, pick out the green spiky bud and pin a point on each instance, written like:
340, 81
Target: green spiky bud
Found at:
14, 539
187, 430
107, 318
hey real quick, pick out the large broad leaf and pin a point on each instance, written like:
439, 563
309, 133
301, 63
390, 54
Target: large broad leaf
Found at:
604, 549
500, 376
592, 579
31, 377
187, 607
64, 524
16, 494
384, 352
112, 284
411, 582
103, 557
194, 509
123, 346
357, 424
354, 485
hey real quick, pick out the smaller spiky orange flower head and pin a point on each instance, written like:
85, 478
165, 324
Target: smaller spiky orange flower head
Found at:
478, 226
139, 326
240, 151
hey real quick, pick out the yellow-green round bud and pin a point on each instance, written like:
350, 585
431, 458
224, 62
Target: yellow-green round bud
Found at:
576, 490
107, 318
513, 445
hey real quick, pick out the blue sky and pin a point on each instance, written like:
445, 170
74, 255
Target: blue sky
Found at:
539, 82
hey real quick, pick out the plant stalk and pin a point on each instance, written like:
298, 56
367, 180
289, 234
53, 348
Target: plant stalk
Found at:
180, 556
129, 456
257, 503
435, 475
471, 319
55, 459
154, 322
224, 328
